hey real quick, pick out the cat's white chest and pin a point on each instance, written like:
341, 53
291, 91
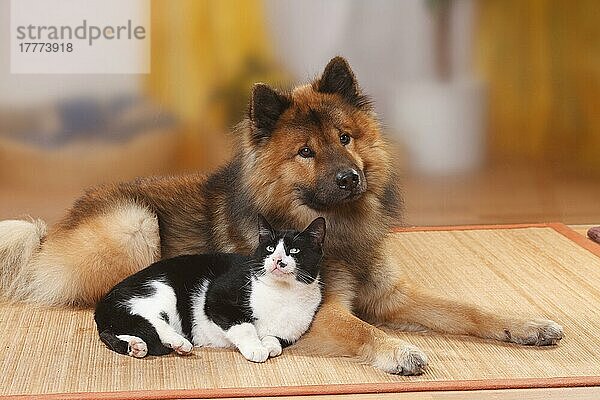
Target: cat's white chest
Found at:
284, 310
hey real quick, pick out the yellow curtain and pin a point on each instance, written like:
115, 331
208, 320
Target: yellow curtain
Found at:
542, 61
205, 57
205, 53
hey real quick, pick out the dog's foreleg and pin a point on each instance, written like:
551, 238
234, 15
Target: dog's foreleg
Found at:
404, 304
335, 331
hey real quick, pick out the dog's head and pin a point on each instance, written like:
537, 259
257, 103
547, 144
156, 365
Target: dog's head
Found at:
319, 146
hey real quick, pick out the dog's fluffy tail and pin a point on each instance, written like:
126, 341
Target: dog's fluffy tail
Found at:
19, 242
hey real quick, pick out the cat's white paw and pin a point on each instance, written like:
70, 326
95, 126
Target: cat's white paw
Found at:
255, 353
181, 345
273, 345
184, 348
136, 347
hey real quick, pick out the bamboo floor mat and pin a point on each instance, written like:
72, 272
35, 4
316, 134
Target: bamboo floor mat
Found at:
541, 270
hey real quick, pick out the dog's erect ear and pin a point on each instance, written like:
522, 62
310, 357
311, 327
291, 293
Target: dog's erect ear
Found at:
316, 231
339, 78
265, 232
266, 107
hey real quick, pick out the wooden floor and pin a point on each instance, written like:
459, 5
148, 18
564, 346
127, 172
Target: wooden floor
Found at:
504, 193
499, 194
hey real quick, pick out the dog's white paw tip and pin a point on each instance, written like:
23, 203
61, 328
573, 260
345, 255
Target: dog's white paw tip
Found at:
549, 334
540, 332
404, 359
411, 361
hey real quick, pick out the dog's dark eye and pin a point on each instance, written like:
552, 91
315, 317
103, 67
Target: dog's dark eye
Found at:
306, 152
345, 138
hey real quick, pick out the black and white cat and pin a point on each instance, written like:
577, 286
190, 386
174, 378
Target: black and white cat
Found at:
257, 304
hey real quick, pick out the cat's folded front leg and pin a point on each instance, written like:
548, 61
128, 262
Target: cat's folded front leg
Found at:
273, 345
244, 337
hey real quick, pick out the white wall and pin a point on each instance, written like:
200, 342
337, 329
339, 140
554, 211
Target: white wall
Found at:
389, 43
386, 42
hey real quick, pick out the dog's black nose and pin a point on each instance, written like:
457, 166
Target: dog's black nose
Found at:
348, 179
281, 264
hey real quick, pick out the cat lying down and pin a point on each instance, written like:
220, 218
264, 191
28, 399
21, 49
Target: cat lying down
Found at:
257, 304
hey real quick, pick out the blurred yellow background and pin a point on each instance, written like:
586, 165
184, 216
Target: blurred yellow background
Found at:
542, 61
494, 103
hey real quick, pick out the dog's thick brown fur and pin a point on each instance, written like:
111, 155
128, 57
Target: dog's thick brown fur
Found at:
292, 149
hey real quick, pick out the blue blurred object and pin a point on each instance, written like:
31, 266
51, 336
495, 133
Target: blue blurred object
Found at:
82, 117
85, 118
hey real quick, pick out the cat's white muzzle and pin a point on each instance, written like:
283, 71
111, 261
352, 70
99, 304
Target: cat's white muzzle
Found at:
279, 264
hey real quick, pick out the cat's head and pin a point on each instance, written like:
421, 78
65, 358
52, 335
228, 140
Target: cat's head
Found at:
291, 255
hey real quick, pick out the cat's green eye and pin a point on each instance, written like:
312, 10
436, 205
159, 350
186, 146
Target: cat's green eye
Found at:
270, 249
294, 251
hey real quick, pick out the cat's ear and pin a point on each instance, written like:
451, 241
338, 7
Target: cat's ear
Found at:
266, 107
265, 232
316, 231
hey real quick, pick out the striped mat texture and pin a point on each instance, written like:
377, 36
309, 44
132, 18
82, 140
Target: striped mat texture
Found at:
535, 271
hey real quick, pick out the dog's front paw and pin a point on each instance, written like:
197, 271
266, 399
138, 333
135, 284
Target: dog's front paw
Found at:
537, 332
273, 345
255, 353
399, 357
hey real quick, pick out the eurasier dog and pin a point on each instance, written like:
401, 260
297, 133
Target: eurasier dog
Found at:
316, 151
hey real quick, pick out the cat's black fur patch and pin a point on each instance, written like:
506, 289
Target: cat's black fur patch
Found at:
284, 343
164, 316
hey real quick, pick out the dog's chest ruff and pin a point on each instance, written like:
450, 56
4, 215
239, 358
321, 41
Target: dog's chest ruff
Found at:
284, 311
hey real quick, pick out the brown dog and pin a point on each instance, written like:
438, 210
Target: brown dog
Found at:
317, 151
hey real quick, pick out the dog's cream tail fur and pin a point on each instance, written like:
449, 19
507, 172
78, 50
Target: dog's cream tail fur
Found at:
19, 242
